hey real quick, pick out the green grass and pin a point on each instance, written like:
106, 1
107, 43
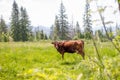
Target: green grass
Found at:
41, 61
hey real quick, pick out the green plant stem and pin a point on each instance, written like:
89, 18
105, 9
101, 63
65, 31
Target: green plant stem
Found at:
102, 19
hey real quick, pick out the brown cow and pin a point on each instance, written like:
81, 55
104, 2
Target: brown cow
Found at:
70, 46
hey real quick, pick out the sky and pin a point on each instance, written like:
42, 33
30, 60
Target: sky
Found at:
42, 12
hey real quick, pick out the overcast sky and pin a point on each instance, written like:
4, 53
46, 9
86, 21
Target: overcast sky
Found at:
42, 12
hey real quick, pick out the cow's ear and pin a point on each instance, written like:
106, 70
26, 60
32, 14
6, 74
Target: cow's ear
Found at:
52, 42
55, 44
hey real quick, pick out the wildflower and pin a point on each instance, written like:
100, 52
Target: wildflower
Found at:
30, 71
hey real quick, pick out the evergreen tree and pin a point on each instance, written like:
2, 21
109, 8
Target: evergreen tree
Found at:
24, 25
72, 29
56, 29
15, 27
99, 35
110, 32
31, 34
51, 33
45, 37
87, 21
3, 26
42, 35
64, 30
37, 34
3, 30
77, 30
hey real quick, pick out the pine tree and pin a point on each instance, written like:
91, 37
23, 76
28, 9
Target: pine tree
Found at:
56, 29
51, 32
15, 27
110, 32
37, 33
77, 30
45, 37
64, 30
24, 25
31, 34
99, 35
3, 26
72, 29
87, 21
42, 35
3, 30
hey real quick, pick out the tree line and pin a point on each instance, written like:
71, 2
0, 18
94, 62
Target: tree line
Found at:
63, 30
20, 28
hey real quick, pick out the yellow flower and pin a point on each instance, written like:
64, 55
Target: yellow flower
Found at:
30, 71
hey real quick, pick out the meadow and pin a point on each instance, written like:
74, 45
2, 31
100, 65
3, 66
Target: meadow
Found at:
41, 61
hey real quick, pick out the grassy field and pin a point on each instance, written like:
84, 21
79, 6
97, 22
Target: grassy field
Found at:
41, 61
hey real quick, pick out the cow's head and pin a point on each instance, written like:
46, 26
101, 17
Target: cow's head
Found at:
58, 46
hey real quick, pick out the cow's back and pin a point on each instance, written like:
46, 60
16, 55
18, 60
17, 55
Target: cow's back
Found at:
69, 46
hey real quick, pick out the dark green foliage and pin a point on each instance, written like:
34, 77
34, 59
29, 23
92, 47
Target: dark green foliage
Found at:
31, 34
63, 23
40, 35
3, 30
56, 35
15, 24
60, 29
3, 26
20, 24
87, 21
24, 25
78, 32
45, 37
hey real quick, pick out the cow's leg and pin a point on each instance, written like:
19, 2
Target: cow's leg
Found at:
82, 54
62, 55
